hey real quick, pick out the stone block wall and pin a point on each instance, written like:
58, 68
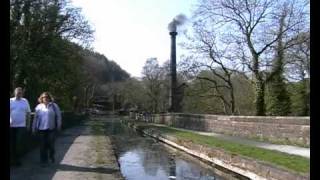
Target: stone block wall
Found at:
283, 130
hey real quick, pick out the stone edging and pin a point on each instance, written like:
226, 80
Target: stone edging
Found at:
247, 167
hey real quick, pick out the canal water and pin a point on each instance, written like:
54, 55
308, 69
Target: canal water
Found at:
143, 158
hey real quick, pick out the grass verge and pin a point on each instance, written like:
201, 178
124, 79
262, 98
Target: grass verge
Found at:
292, 162
98, 141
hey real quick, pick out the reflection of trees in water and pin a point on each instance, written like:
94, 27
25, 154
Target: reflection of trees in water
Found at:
127, 140
154, 159
172, 167
152, 155
186, 171
113, 128
124, 139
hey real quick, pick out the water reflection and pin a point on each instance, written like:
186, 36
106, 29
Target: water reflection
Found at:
172, 168
142, 158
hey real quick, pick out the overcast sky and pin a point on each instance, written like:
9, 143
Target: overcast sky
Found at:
130, 31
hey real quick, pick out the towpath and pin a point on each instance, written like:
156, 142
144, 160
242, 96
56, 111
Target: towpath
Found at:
82, 152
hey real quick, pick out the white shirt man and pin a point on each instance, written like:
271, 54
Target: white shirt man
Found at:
19, 113
19, 110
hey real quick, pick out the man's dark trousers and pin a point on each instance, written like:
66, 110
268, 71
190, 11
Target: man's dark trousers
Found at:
15, 141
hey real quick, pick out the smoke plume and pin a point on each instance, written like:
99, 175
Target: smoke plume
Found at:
177, 21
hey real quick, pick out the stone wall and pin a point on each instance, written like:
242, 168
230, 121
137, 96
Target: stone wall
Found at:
283, 130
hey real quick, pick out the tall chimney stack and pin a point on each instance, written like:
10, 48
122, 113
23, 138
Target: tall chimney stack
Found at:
173, 94
172, 26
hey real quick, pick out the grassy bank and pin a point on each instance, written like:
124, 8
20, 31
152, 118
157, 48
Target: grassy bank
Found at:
97, 128
292, 162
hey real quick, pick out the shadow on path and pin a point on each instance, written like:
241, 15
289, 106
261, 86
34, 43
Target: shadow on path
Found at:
66, 167
31, 169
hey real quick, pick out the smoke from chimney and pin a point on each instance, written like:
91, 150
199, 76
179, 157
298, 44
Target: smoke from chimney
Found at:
177, 21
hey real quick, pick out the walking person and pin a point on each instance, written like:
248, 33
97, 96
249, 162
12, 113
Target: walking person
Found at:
47, 121
19, 115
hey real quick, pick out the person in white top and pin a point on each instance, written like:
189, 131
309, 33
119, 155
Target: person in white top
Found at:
46, 121
19, 115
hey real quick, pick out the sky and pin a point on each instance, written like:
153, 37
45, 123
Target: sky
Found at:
131, 31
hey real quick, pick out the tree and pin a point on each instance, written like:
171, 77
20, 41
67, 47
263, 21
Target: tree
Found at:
50, 51
279, 103
133, 92
250, 25
201, 95
100, 77
152, 76
298, 70
217, 60
42, 58
244, 95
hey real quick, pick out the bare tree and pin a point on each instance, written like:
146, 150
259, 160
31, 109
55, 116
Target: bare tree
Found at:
215, 59
252, 25
153, 76
298, 69
298, 58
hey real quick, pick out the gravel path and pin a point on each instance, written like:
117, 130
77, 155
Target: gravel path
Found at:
81, 153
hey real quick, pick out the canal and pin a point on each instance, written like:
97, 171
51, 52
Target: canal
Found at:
144, 158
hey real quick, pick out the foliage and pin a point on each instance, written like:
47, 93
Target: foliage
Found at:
249, 30
279, 101
133, 93
200, 96
41, 55
300, 98
49, 43
154, 78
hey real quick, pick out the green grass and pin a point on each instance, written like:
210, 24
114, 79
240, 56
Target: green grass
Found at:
292, 162
97, 128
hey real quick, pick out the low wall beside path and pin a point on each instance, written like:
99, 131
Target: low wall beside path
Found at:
275, 129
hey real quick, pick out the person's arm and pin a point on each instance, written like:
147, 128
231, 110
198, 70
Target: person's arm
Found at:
10, 112
28, 116
35, 121
28, 121
59, 116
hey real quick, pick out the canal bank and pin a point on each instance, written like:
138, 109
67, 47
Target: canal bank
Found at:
143, 157
246, 165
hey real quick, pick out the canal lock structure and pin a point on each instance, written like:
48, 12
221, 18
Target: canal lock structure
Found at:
144, 158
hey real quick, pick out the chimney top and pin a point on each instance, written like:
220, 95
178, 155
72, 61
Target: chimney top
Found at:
173, 33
